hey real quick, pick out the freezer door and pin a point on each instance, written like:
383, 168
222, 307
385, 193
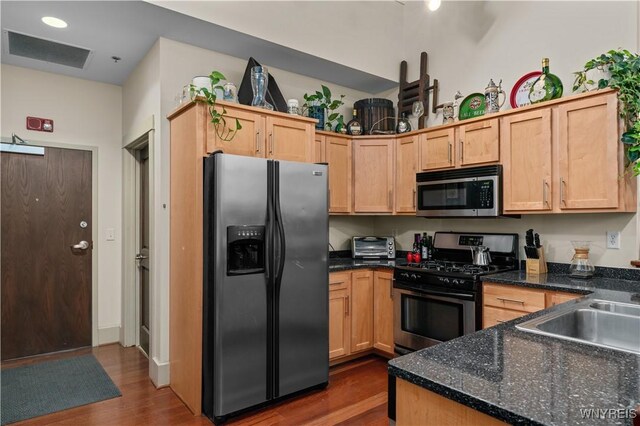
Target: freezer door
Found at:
236, 318
302, 356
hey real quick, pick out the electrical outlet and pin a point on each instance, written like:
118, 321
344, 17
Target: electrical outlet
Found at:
613, 240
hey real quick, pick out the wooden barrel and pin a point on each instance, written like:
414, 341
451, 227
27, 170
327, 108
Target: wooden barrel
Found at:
372, 110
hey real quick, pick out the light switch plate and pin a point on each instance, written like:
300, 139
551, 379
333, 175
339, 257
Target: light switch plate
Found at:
110, 234
613, 240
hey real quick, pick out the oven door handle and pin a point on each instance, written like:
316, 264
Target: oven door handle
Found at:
438, 293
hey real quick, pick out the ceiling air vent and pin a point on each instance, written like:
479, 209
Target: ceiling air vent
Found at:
46, 50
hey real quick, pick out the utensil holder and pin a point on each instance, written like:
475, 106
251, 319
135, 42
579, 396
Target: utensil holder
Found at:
537, 266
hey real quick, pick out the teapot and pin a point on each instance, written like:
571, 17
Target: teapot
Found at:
480, 255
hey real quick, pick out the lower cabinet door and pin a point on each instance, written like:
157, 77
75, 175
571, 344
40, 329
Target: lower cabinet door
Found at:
383, 311
339, 314
361, 310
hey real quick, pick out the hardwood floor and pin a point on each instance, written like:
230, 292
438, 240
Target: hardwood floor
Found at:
356, 395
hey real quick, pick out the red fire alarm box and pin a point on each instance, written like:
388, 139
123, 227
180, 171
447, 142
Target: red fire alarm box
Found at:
40, 124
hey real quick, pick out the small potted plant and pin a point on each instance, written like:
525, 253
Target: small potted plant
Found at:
208, 96
317, 103
620, 70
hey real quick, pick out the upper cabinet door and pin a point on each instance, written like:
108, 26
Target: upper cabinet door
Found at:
289, 140
338, 155
437, 149
319, 149
588, 153
526, 161
406, 168
248, 141
373, 175
479, 142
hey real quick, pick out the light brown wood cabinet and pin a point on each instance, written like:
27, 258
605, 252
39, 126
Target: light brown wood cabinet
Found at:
383, 311
479, 142
289, 139
526, 160
263, 134
248, 141
406, 168
437, 150
339, 157
373, 181
588, 147
319, 148
361, 310
339, 314
503, 302
360, 314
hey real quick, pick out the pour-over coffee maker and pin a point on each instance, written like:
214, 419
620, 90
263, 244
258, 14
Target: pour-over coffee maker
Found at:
581, 266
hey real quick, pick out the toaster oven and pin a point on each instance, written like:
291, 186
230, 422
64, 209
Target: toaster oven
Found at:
373, 248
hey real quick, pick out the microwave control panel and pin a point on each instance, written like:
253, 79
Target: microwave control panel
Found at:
486, 194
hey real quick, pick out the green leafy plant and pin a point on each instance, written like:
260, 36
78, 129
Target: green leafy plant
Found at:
334, 120
624, 68
208, 96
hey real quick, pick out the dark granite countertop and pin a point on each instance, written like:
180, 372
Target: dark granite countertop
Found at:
525, 378
346, 264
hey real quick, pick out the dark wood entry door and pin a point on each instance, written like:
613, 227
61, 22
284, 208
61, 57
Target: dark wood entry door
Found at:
143, 254
46, 284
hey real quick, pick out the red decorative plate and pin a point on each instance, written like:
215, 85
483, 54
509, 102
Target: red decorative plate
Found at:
520, 92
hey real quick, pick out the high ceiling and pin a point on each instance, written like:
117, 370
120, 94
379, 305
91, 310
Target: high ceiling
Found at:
128, 29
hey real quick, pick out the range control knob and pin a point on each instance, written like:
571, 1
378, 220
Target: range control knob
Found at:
414, 277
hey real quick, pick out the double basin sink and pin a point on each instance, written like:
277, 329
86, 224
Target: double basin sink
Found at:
601, 323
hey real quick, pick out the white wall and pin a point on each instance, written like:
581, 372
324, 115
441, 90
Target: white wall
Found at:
141, 101
556, 233
84, 113
469, 42
342, 228
358, 34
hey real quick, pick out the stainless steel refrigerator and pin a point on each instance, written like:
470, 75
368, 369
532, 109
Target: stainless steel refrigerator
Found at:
266, 236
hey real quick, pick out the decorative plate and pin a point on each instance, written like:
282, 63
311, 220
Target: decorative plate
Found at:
520, 92
472, 106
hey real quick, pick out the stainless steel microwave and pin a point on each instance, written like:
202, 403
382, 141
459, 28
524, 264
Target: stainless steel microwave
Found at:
466, 192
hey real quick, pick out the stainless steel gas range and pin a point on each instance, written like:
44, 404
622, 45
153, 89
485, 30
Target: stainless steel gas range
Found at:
441, 298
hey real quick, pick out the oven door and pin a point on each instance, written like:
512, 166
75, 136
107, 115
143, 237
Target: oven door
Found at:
472, 196
423, 319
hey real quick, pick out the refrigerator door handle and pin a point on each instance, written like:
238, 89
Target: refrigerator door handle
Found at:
282, 249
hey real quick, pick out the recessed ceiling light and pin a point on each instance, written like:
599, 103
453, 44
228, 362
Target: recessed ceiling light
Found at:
54, 22
434, 5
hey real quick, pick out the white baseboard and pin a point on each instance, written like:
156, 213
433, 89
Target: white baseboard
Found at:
108, 335
159, 372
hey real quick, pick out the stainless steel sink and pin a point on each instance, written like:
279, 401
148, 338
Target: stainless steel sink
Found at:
598, 327
615, 307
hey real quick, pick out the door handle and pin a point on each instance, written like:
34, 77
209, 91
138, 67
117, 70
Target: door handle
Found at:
450, 152
461, 152
562, 185
270, 143
390, 199
82, 245
414, 198
545, 197
346, 306
258, 141
141, 256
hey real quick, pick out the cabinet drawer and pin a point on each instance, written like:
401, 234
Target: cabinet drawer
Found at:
557, 297
338, 280
493, 316
509, 297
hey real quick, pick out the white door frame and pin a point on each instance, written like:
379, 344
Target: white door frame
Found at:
144, 134
94, 222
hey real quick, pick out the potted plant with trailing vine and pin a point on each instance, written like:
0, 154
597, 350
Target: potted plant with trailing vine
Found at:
316, 104
208, 95
621, 70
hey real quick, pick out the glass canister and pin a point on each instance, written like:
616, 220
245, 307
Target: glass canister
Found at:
259, 83
581, 266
